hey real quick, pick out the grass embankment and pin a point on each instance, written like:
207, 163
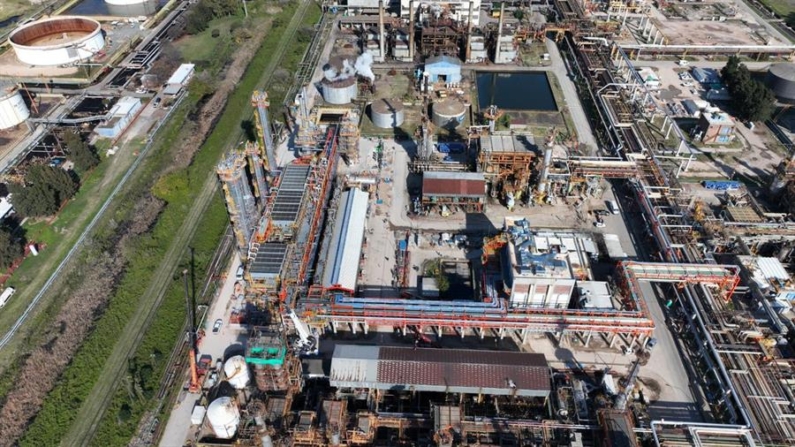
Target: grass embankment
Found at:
180, 189
782, 8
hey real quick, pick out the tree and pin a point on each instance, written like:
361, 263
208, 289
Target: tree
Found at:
44, 190
751, 99
80, 152
10, 248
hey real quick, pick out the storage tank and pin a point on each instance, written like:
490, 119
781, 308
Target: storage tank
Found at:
387, 113
13, 110
59, 40
236, 371
341, 91
132, 8
781, 79
223, 417
448, 113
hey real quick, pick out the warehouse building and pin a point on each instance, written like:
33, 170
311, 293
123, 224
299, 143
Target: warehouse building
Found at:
179, 79
443, 69
444, 190
497, 373
120, 116
342, 262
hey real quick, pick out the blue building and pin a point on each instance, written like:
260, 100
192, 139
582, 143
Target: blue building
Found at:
706, 76
443, 69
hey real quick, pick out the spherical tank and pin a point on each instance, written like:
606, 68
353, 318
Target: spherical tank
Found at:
59, 40
341, 91
13, 109
387, 113
236, 371
781, 79
223, 416
448, 113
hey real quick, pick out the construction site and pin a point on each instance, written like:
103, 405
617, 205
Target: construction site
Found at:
423, 263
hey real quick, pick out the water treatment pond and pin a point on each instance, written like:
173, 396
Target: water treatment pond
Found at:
100, 8
515, 91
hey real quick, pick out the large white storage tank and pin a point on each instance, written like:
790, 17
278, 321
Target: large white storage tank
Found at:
341, 91
387, 113
59, 40
236, 371
223, 417
13, 110
448, 113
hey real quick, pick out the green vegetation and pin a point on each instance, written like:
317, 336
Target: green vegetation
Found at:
11, 248
206, 10
436, 271
81, 154
751, 99
45, 189
180, 188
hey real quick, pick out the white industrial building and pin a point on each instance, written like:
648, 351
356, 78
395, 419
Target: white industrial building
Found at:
541, 269
179, 79
342, 262
119, 117
455, 9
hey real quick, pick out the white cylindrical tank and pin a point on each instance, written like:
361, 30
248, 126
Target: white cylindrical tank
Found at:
13, 110
223, 417
132, 8
448, 113
236, 371
125, 2
387, 113
59, 40
342, 91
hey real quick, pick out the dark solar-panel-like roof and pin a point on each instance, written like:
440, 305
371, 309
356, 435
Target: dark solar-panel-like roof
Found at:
268, 260
290, 196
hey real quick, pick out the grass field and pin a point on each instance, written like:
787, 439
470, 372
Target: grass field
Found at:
12, 8
782, 8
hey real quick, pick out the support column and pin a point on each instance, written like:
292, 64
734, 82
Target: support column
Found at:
588, 338
403, 330
525, 335
354, 327
613, 341
462, 331
334, 326
501, 333
365, 327
439, 331
481, 332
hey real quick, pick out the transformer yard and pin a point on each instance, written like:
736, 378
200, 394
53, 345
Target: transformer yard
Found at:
472, 223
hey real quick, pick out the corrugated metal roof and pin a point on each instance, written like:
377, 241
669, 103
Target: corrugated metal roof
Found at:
342, 262
772, 269
442, 61
459, 184
354, 364
181, 74
451, 370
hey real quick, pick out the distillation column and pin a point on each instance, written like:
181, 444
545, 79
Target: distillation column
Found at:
257, 168
260, 102
239, 200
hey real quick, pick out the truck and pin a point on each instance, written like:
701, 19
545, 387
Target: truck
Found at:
7, 293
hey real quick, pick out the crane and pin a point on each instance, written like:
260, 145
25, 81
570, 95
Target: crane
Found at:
194, 385
308, 343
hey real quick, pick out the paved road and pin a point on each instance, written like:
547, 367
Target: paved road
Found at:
572, 100
703, 64
215, 344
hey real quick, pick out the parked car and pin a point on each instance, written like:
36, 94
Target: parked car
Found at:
217, 325
613, 206
600, 223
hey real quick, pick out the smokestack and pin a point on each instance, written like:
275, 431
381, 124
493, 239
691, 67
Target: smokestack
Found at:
499, 34
381, 33
469, 33
411, 30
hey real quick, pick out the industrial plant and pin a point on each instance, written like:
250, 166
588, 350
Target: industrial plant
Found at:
472, 223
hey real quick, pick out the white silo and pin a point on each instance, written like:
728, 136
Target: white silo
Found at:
13, 110
223, 417
236, 371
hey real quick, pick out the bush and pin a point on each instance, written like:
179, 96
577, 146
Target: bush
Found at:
11, 248
81, 154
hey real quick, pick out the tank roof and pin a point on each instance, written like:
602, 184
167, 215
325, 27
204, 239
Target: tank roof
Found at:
449, 106
340, 83
387, 105
783, 71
